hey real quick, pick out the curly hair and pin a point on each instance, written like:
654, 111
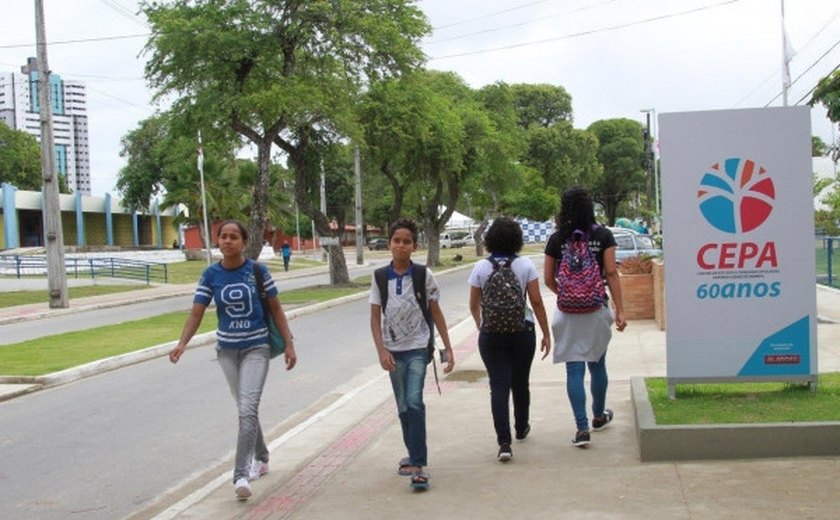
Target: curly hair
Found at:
577, 211
504, 237
404, 223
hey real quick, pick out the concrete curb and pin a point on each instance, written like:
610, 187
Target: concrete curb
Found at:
123, 360
727, 441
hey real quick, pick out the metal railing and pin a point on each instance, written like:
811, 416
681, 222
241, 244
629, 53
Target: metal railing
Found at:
828, 265
20, 266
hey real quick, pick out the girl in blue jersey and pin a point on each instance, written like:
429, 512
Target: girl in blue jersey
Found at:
242, 350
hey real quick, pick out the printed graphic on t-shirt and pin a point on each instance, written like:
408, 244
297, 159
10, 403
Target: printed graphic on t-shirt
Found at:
403, 319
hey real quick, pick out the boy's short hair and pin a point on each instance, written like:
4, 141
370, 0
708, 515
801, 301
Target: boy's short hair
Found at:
404, 223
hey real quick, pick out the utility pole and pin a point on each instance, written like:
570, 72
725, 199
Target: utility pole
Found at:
200, 164
53, 233
360, 235
324, 256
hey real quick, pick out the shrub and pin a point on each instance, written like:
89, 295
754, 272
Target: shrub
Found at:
639, 264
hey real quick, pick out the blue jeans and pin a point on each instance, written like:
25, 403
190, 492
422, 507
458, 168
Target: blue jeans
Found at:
407, 380
245, 371
508, 359
575, 371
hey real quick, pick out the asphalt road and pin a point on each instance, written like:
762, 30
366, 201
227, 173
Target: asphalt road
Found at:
107, 446
26, 330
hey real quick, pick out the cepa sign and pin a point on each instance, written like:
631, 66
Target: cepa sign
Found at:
738, 216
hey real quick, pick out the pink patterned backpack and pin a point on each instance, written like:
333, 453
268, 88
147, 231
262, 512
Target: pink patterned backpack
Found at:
580, 288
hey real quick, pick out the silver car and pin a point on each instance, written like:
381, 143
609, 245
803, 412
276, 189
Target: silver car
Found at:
633, 244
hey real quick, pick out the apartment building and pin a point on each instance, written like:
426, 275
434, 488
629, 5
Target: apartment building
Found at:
19, 109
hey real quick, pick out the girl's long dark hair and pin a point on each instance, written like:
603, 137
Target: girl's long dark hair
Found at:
577, 211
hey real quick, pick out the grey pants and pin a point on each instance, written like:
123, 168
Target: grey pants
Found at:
245, 371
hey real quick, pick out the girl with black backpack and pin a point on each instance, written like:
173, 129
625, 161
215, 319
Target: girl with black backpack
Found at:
507, 341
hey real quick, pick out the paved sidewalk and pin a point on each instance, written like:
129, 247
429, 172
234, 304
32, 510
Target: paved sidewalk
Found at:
339, 461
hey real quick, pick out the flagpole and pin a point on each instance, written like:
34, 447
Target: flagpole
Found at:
204, 201
785, 59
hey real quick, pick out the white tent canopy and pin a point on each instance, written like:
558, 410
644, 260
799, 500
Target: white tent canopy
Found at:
458, 221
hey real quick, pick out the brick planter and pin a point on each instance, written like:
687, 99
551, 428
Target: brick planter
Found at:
637, 296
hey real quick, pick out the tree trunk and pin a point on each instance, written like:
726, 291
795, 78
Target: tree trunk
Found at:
338, 267
259, 201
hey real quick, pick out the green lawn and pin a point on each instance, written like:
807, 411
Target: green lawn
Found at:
746, 402
53, 353
11, 299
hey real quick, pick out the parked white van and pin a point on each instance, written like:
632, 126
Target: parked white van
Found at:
450, 240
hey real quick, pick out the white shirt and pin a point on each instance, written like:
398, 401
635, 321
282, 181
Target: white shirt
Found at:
522, 267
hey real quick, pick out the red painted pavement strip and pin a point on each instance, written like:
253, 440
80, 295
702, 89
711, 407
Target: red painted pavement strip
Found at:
306, 482
282, 503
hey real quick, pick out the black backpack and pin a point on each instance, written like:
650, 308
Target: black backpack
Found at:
418, 284
502, 300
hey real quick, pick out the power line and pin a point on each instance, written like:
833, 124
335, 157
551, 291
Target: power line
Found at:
587, 33
804, 46
125, 12
83, 40
805, 71
832, 71
504, 27
488, 15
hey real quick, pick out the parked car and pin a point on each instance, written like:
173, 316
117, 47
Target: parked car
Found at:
629, 243
449, 240
377, 244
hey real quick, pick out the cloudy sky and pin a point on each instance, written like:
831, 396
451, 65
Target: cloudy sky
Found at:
615, 57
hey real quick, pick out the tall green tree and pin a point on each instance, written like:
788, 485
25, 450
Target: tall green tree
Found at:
427, 135
827, 94
280, 73
621, 154
161, 158
541, 105
20, 161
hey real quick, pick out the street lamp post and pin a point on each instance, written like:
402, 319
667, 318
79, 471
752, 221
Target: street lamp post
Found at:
653, 134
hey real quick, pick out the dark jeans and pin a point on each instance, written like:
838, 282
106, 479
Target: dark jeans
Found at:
508, 359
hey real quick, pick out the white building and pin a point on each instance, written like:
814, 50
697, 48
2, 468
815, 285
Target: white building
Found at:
19, 111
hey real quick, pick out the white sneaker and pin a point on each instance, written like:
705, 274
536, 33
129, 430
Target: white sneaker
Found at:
258, 469
242, 488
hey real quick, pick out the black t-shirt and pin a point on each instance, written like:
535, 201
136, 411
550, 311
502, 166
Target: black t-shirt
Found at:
600, 238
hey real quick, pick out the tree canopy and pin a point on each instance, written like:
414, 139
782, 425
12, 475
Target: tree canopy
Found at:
827, 94
280, 73
20, 159
621, 154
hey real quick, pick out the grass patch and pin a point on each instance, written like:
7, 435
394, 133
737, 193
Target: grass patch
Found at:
54, 353
746, 402
320, 293
10, 299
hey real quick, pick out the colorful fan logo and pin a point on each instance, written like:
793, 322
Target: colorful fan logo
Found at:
737, 199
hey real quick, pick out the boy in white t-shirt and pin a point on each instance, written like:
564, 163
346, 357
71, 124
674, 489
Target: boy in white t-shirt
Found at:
401, 335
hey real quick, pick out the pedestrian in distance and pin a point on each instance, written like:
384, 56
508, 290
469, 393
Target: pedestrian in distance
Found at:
242, 350
286, 251
583, 319
507, 339
402, 333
